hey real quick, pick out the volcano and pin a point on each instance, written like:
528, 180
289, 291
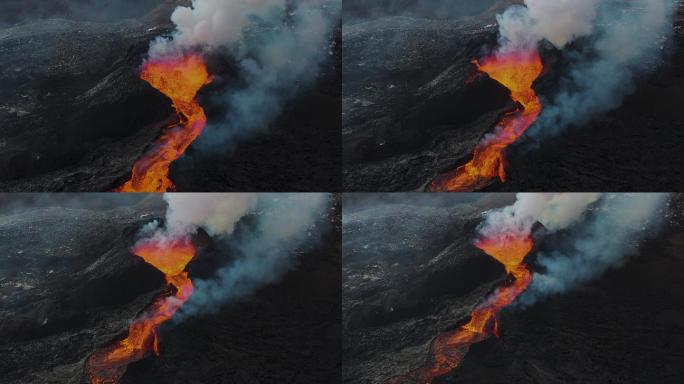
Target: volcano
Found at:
415, 279
417, 110
80, 111
84, 284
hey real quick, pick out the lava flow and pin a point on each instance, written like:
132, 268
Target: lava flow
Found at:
107, 365
449, 348
516, 71
180, 79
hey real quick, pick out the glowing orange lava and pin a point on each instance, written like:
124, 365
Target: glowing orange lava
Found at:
180, 79
107, 365
449, 348
516, 71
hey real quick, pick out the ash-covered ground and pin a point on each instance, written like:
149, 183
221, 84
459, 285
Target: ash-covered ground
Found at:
75, 116
410, 271
69, 285
414, 107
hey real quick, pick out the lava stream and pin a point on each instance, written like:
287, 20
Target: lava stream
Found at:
517, 71
107, 365
180, 79
449, 348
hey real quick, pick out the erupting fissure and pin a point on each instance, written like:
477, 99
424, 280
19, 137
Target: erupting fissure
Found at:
107, 365
180, 79
449, 348
517, 71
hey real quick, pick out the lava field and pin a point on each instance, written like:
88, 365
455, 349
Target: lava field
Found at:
69, 285
76, 116
411, 272
415, 107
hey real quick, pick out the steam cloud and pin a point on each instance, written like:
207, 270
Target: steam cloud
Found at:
625, 39
613, 233
284, 225
555, 210
279, 46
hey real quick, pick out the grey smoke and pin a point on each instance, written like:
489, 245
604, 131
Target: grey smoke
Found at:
286, 224
628, 40
280, 47
614, 232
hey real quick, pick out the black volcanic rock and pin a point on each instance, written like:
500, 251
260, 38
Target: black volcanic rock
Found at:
413, 103
75, 115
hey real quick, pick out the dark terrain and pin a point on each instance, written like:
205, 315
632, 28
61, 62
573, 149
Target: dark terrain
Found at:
75, 116
69, 285
410, 271
414, 107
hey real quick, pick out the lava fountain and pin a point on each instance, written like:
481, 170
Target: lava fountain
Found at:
449, 348
517, 71
107, 365
179, 78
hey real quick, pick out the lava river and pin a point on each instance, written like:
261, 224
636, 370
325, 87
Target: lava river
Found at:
179, 79
449, 348
517, 71
107, 365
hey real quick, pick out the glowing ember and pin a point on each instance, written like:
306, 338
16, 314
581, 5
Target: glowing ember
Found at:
107, 365
180, 79
449, 348
516, 71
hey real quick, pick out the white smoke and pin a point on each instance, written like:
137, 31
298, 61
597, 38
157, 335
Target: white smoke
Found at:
614, 232
217, 213
557, 21
280, 47
555, 211
285, 225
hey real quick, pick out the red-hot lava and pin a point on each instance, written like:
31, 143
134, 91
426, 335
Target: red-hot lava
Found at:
180, 79
449, 348
516, 71
107, 365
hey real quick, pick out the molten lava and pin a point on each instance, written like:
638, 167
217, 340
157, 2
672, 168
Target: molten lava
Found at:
449, 348
180, 79
107, 365
516, 71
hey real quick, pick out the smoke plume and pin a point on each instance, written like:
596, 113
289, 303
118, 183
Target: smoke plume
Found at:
285, 225
557, 21
612, 234
622, 40
555, 211
279, 46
